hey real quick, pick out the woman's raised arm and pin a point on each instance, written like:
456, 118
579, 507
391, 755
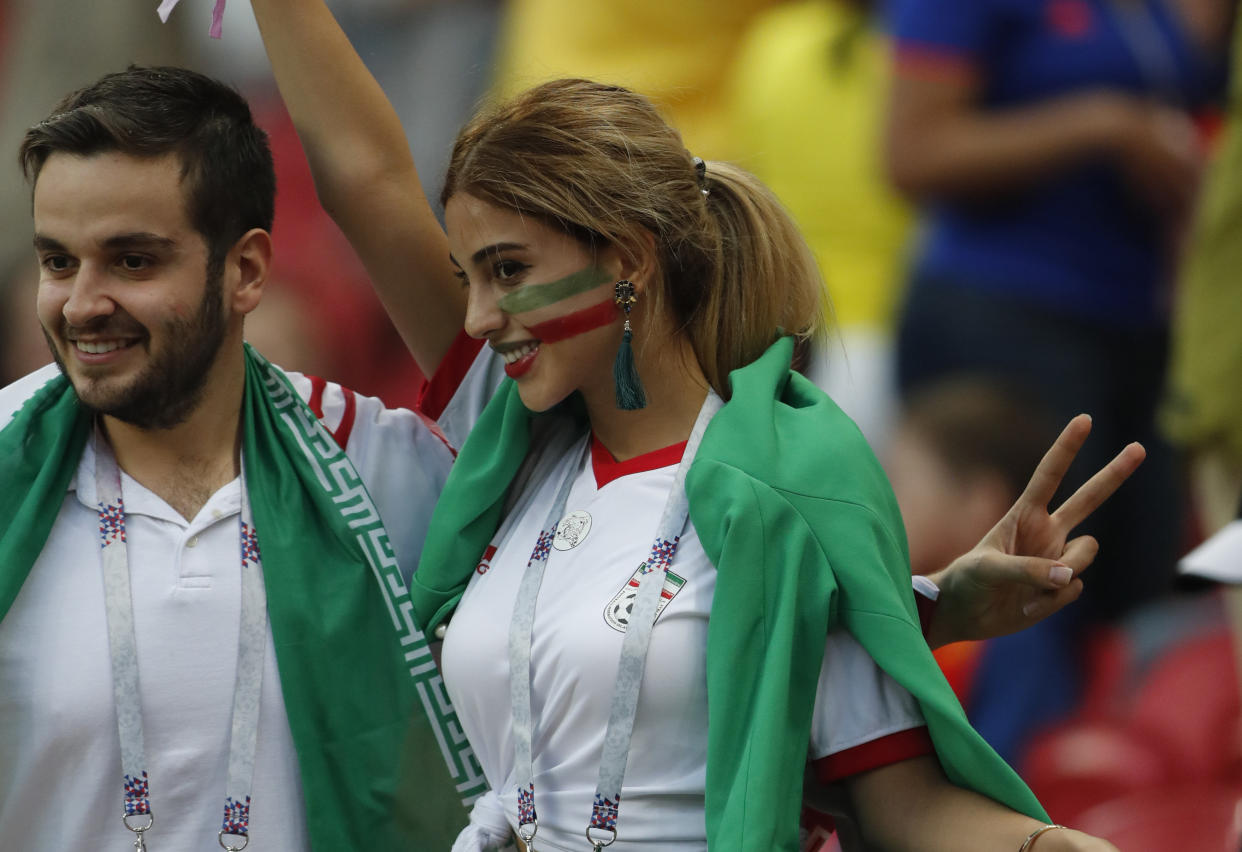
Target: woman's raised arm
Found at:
364, 173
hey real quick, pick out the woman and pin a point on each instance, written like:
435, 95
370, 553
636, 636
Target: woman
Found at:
577, 221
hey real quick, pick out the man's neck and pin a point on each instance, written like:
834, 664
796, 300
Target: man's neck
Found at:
188, 463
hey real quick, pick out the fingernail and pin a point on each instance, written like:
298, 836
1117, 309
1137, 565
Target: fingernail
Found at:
1030, 608
1060, 575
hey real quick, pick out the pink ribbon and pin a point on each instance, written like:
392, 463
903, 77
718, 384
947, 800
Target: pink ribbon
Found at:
217, 14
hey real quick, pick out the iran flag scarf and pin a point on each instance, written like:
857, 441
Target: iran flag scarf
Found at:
360, 688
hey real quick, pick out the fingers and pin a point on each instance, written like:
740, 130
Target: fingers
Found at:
993, 569
1051, 469
1100, 487
1046, 603
1057, 590
1080, 553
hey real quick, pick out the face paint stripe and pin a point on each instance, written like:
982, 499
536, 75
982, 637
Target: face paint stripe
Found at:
579, 322
534, 296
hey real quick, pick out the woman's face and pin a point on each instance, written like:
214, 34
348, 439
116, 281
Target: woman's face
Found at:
540, 297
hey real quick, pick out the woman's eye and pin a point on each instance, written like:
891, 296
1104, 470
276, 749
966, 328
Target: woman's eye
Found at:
506, 270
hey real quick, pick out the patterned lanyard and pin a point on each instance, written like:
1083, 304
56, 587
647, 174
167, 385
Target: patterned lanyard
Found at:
123, 648
602, 830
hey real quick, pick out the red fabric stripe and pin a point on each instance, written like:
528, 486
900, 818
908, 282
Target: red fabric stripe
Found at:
316, 398
934, 62
607, 468
346, 426
894, 748
818, 826
434, 428
437, 392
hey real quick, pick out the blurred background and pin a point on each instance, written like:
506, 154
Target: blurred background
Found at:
1023, 209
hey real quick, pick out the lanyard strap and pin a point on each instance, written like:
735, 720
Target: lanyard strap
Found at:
602, 829
521, 627
123, 649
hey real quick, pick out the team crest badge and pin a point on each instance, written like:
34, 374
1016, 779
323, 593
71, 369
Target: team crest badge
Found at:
572, 530
617, 612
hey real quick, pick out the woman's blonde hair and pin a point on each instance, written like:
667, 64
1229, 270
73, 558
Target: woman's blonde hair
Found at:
601, 163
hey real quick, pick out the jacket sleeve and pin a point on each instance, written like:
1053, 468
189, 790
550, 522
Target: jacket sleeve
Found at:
866, 552
765, 644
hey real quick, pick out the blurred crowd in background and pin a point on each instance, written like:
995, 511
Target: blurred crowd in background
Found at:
1022, 209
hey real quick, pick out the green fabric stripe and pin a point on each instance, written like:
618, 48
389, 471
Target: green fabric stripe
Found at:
340, 661
534, 296
471, 503
39, 453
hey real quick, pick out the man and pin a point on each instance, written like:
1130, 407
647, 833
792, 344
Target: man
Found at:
142, 677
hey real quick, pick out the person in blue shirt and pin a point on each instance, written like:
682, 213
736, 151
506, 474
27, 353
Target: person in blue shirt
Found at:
1051, 145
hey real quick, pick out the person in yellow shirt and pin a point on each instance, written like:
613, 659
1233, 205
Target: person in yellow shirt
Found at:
806, 103
676, 52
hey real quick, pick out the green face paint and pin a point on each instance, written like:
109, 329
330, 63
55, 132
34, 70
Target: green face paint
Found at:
534, 296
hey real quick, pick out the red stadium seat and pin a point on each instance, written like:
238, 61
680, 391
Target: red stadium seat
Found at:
1108, 659
1189, 704
1086, 762
1179, 818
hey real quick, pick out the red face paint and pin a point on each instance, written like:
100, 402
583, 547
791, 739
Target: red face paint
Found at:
579, 322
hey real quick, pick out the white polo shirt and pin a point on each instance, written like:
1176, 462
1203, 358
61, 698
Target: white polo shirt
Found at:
60, 764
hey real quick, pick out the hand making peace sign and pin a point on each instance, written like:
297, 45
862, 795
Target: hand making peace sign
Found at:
1024, 569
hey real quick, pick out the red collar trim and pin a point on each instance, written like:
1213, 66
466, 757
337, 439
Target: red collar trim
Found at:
607, 468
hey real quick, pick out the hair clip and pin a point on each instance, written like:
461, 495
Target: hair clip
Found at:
700, 171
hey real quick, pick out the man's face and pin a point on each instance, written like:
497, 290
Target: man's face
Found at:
124, 297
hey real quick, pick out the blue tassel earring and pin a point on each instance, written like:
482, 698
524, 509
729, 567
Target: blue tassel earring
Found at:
630, 393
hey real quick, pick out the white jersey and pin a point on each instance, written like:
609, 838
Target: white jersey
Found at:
61, 784
611, 518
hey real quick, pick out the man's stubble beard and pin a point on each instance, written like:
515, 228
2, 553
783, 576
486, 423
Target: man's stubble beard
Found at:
168, 390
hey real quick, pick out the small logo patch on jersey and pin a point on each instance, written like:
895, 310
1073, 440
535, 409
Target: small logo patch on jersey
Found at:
572, 530
617, 613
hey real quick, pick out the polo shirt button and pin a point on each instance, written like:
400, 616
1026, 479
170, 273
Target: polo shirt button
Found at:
193, 542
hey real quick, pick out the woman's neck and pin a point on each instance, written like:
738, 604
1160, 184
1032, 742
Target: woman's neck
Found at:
675, 387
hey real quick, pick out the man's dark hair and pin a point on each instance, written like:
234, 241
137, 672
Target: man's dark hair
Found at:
226, 164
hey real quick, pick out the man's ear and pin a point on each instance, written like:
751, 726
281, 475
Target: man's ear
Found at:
247, 269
